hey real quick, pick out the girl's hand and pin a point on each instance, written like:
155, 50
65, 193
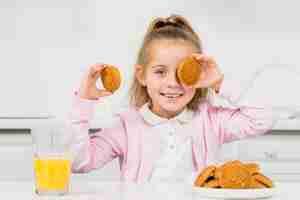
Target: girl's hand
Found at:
211, 76
88, 88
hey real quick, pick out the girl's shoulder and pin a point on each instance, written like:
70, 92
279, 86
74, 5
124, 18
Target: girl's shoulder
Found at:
128, 114
204, 106
208, 109
119, 120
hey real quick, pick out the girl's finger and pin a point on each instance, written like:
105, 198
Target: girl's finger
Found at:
103, 93
217, 84
203, 75
218, 80
198, 57
96, 69
210, 60
205, 60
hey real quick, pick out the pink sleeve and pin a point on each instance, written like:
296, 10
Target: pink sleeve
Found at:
239, 121
92, 151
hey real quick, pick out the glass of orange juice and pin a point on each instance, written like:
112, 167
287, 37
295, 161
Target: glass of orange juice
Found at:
51, 157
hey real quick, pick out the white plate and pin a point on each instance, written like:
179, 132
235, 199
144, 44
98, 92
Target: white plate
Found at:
234, 193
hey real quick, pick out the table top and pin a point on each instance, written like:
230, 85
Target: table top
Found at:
97, 190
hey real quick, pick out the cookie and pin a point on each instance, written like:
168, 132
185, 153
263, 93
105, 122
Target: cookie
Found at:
111, 78
219, 170
263, 180
188, 71
254, 184
233, 175
253, 168
205, 175
213, 183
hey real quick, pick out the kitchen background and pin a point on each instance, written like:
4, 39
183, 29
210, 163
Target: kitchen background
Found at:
46, 45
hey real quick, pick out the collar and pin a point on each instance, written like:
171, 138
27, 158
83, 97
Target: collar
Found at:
153, 119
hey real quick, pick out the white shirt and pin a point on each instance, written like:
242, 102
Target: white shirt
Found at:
175, 162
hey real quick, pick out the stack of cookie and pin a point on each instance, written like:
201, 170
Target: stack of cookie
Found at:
233, 175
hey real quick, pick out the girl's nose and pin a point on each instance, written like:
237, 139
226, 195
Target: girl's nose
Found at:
173, 80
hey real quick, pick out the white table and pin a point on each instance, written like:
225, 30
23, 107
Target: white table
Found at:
97, 190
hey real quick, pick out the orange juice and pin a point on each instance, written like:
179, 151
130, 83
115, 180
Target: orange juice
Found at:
52, 174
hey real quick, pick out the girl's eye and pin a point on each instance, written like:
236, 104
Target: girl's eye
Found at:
160, 72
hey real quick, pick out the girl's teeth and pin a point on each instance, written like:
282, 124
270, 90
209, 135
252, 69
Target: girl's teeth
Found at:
172, 96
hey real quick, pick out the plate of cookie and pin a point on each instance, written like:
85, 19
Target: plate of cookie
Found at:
234, 180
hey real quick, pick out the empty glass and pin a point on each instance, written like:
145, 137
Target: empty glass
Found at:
51, 156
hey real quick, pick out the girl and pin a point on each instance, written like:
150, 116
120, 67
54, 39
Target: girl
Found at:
170, 131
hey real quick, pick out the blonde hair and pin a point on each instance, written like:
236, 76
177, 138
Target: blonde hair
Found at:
174, 27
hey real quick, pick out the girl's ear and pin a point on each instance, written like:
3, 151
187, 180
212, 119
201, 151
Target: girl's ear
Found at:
139, 74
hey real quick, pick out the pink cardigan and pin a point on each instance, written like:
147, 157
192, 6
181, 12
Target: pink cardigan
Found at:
129, 138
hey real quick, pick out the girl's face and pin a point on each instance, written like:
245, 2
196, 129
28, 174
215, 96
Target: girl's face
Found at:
168, 96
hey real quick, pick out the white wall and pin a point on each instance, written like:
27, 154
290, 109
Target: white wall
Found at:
45, 45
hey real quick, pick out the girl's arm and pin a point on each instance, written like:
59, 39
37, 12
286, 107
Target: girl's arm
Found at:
237, 121
240, 121
90, 152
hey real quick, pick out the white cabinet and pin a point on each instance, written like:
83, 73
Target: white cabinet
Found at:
271, 148
16, 162
277, 155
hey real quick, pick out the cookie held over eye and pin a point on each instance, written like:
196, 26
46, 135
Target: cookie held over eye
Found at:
188, 71
111, 78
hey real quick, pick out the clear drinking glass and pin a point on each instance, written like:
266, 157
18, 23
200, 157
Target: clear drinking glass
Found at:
51, 157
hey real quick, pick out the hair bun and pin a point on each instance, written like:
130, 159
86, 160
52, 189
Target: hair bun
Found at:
171, 21
180, 21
